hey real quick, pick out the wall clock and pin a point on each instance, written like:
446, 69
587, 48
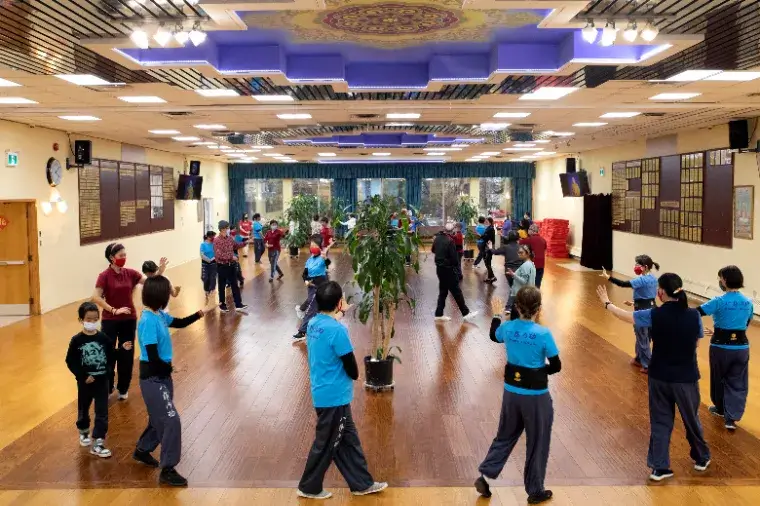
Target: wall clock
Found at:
54, 172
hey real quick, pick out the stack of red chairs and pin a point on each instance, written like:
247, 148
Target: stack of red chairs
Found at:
555, 233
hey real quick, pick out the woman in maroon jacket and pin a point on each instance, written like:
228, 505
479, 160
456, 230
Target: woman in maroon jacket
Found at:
538, 245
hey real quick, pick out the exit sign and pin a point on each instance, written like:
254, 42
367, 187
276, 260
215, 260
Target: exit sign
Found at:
11, 159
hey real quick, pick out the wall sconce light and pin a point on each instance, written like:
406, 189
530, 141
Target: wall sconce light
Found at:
62, 206
47, 208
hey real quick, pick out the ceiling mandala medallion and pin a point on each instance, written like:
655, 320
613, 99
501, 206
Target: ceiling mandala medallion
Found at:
391, 19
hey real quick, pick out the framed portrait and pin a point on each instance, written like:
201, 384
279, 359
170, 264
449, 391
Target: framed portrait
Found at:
744, 211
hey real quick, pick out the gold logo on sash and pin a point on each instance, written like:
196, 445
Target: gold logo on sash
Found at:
517, 376
733, 337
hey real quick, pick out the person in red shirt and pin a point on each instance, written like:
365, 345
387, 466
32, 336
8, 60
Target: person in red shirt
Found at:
272, 239
225, 248
538, 245
245, 227
326, 233
113, 294
459, 243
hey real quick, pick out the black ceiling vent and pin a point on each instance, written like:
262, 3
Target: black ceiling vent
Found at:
178, 114
653, 114
365, 116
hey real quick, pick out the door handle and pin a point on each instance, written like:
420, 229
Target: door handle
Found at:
12, 262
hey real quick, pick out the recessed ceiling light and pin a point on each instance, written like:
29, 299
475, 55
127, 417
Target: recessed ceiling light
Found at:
147, 99
402, 115
273, 98
399, 124
542, 141
590, 124
494, 126
83, 79
381, 154
204, 143
522, 149
186, 138
295, 116
236, 155
460, 145
674, 96
515, 160
327, 154
211, 127
217, 93
289, 160
215, 146
548, 93
274, 155
525, 145
511, 115
4, 83
489, 153
732, 76
692, 75
164, 132
262, 147
80, 118
436, 153
471, 160
619, 115
16, 101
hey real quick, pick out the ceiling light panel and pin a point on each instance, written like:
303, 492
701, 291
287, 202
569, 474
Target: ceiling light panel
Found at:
83, 79
619, 115
326, 154
4, 83
147, 99
548, 93
186, 138
80, 118
16, 101
273, 98
303, 115
402, 115
692, 75
211, 127
494, 126
734, 76
674, 96
590, 124
164, 132
511, 115
217, 93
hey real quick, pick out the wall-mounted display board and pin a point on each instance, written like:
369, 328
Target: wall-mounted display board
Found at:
667, 196
121, 199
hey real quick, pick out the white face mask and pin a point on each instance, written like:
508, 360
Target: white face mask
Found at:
91, 326
274, 227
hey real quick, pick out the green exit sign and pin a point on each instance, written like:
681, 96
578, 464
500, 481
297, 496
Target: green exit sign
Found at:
601, 172
11, 159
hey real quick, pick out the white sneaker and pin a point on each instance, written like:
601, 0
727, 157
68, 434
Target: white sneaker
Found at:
470, 316
300, 314
443, 318
373, 489
123, 397
322, 495
99, 450
84, 439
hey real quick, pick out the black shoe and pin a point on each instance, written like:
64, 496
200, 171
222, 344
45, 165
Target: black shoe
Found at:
661, 474
481, 485
223, 308
730, 424
271, 280
145, 458
280, 277
170, 476
714, 411
241, 307
540, 497
299, 336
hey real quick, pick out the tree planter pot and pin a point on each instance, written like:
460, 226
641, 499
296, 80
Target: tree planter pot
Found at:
293, 251
469, 254
378, 374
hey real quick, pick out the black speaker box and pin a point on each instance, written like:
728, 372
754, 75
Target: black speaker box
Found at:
569, 165
195, 168
82, 152
738, 134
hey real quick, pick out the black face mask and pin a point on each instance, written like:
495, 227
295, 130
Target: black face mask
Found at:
722, 286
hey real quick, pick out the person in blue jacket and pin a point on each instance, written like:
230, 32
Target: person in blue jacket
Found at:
729, 347
644, 292
480, 229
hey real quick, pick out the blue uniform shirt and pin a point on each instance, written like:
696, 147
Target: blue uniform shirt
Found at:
154, 329
316, 266
480, 230
730, 311
207, 249
394, 223
528, 344
644, 287
326, 341
239, 238
257, 228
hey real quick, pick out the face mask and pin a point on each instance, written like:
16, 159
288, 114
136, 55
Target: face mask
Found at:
274, 227
245, 218
722, 286
91, 326
120, 262
638, 270
315, 251
233, 234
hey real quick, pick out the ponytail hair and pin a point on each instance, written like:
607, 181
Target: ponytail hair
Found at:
646, 261
672, 285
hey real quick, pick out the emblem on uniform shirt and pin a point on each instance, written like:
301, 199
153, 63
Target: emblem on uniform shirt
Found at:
517, 376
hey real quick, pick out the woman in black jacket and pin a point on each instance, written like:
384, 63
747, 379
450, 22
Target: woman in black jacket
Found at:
489, 237
512, 260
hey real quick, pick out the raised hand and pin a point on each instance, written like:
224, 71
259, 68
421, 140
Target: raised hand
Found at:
510, 272
127, 345
601, 292
605, 274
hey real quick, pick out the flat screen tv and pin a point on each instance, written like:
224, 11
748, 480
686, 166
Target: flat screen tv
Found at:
574, 184
189, 187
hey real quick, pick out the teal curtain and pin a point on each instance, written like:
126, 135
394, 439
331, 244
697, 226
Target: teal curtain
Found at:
237, 200
414, 191
522, 197
345, 189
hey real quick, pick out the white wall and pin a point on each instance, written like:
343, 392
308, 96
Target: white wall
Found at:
697, 264
68, 270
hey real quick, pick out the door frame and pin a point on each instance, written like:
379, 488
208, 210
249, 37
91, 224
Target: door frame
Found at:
35, 307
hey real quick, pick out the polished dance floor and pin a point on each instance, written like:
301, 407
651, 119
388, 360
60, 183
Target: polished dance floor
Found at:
242, 390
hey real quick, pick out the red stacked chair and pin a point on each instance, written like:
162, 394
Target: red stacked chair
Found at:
555, 233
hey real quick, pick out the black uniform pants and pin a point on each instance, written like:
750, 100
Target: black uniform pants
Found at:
448, 282
164, 425
228, 276
729, 381
337, 440
96, 391
121, 332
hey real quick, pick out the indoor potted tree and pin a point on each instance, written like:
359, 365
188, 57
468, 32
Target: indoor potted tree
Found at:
299, 213
378, 252
465, 213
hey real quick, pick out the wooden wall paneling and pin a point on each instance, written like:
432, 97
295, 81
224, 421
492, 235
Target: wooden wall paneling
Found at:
170, 190
90, 212
110, 214
633, 196
127, 200
670, 195
35, 308
142, 195
718, 199
650, 196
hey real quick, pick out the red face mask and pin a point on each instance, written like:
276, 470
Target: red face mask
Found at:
233, 233
639, 270
120, 262
315, 251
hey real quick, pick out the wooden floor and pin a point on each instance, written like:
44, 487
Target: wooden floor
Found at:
242, 391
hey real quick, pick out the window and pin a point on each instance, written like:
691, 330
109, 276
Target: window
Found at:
439, 199
320, 188
495, 197
391, 187
264, 196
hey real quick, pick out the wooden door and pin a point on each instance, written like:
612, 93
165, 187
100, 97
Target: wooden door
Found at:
15, 289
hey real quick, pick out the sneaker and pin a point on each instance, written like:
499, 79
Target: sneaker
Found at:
223, 308
443, 318
145, 458
322, 495
84, 439
470, 316
280, 277
540, 497
300, 314
481, 485
299, 337
702, 466
660, 474
373, 489
730, 424
714, 411
507, 310
271, 280
170, 476
123, 397
99, 450
241, 307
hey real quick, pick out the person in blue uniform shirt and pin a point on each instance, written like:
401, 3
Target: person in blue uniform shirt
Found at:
673, 372
208, 264
729, 348
480, 229
314, 275
526, 404
332, 372
644, 291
